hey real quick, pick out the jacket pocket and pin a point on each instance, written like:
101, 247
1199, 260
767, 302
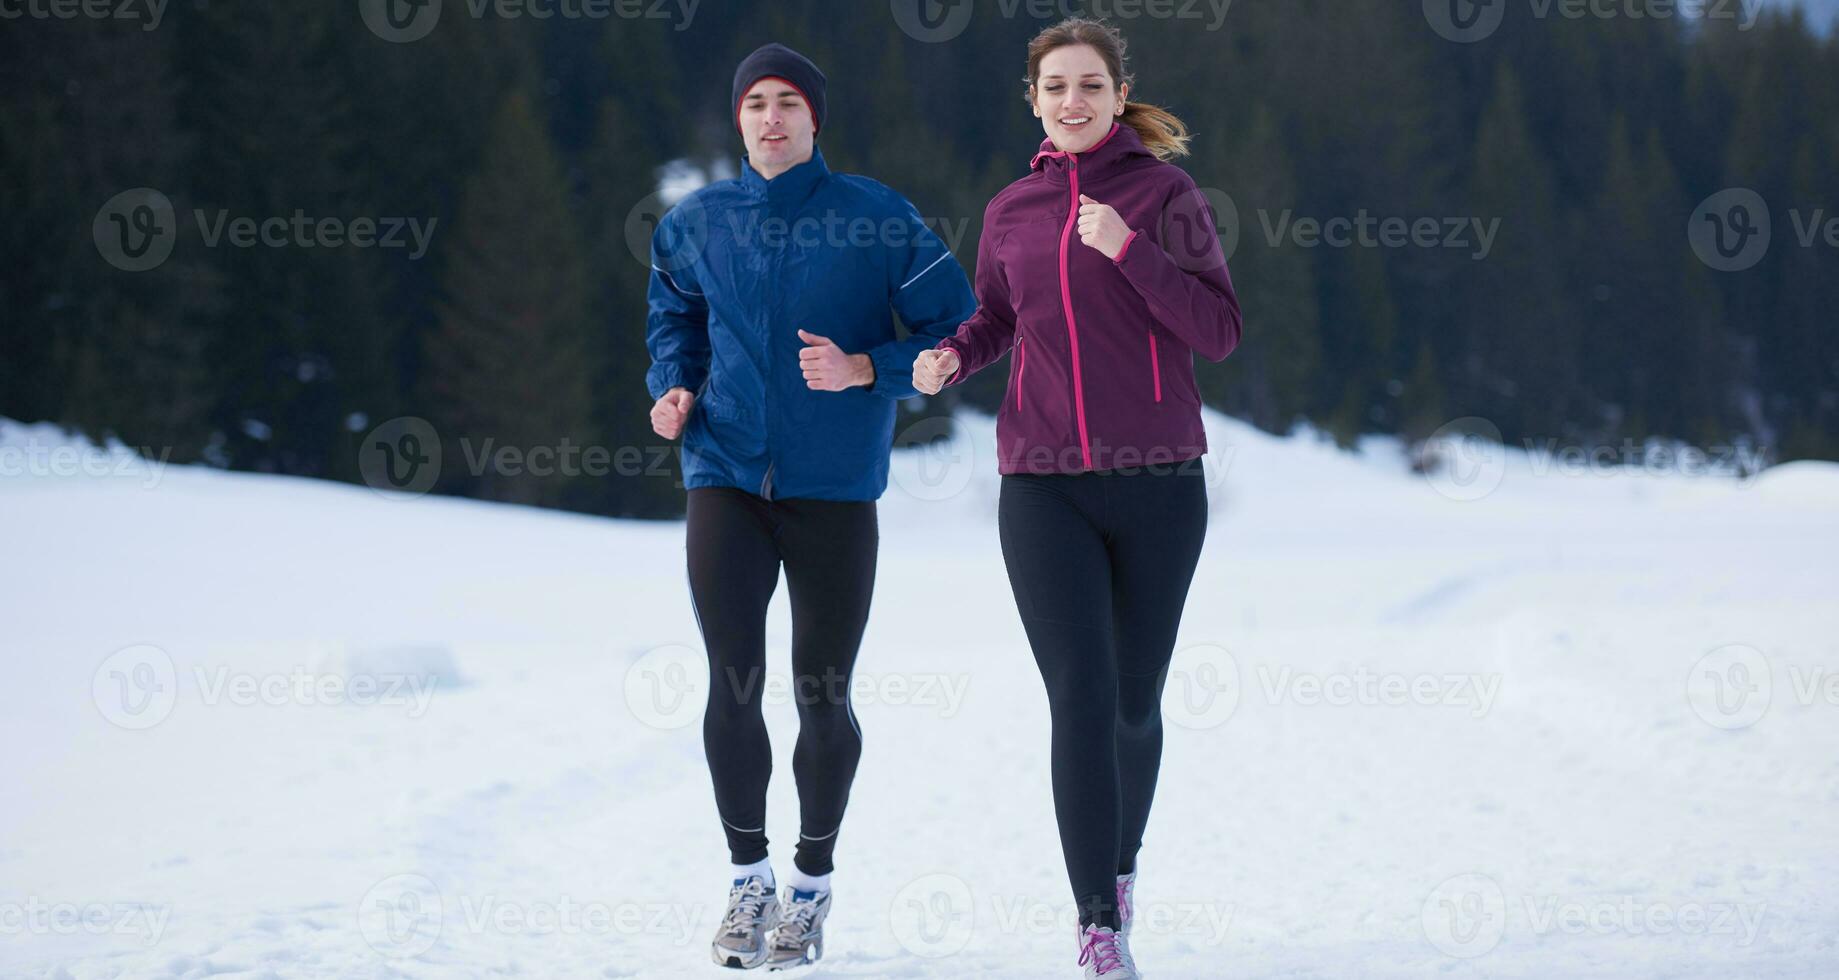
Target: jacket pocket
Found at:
722, 408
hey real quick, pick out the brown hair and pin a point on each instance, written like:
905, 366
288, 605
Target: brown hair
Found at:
1165, 135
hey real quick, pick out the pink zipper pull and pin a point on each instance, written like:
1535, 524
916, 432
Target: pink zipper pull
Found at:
1155, 365
1021, 365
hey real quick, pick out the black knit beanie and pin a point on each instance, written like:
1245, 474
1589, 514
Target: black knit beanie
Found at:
778, 61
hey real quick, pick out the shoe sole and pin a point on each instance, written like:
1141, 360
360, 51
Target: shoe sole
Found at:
793, 964
734, 961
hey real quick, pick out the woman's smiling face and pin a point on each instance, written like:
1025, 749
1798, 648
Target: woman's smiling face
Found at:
1075, 98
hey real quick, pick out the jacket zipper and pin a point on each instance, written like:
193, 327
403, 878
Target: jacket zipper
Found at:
1155, 366
766, 393
1066, 301
1021, 366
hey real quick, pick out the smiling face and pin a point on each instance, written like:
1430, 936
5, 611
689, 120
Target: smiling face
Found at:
777, 126
1075, 98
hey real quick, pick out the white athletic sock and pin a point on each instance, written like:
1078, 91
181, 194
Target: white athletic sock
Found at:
807, 883
762, 867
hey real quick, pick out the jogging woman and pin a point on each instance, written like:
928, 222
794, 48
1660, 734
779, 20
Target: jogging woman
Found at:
1103, 272
774, 356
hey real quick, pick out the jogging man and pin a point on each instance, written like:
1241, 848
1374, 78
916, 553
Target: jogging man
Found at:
775, 357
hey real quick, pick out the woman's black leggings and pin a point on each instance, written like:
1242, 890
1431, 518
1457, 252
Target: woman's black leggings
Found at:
1101, 563
736, 543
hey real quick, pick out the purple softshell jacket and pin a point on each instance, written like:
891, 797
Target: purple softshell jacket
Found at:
1103, 372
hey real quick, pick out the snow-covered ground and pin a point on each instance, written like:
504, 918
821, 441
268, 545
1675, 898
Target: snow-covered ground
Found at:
1513, 719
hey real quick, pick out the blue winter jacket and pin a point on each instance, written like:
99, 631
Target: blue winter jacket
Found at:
738, 268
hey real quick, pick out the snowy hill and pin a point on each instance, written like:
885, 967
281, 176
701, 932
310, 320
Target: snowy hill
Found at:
1518, 717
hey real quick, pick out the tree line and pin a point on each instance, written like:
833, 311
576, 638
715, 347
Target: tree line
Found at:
1556, 290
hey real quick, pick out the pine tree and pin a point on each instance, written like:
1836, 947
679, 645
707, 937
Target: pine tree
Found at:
87, 111
507, 363
1520, 351
1802, 356
621, 173
300, 344
1269, 379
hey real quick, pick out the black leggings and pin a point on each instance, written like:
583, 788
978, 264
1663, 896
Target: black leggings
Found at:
1100, 564
736, 543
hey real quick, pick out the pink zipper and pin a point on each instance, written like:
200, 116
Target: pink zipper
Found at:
1155, 366
1066, 300
1021, 365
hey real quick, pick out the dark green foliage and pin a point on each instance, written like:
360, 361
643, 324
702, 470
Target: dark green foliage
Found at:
532, 143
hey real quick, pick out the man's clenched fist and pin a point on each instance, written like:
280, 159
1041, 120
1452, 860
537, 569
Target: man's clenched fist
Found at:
671, 412
827, 368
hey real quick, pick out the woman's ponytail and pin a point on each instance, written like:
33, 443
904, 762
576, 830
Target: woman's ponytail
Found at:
1162, 132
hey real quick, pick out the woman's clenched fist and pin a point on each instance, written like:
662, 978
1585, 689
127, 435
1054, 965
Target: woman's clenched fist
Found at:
933, 368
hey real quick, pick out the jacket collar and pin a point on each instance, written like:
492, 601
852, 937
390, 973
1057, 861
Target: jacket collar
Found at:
1118, 146
790, 188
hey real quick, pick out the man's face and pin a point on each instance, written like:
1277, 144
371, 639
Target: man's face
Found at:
777, 127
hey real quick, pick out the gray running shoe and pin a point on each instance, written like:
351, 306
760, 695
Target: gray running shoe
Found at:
753, 911
799, 940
